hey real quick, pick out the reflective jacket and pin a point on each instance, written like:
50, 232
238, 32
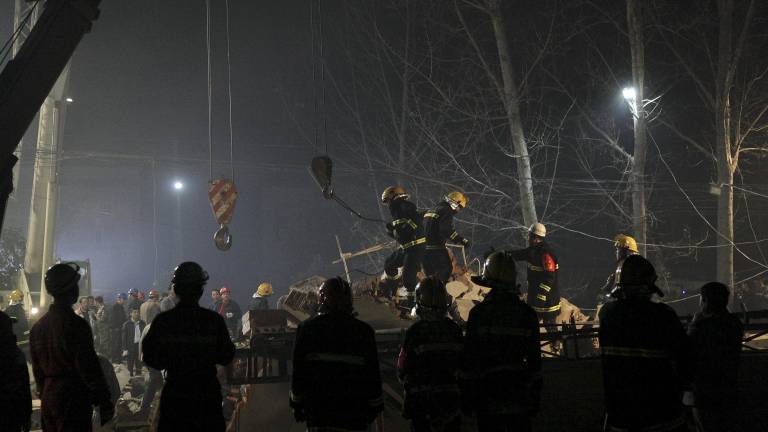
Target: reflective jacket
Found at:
646, 360
406, 225
428, 366
336, 380
502, 357
438, 226
543, 292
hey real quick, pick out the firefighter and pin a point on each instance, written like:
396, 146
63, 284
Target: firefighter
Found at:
406, 228
230, 310
260, 300
645, 353
429, 360
502, 357
625, 246
543, 292
716, 335
16, 311
187, 342
67, 372
15, 395
438, 226
336, 382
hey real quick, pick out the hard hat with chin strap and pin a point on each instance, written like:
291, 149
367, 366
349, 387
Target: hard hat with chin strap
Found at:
264, 289
391, 193
623, 241
538, 229
457, 199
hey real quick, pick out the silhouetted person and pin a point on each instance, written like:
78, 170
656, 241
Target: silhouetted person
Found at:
101, 329
260, 300
502, 357
132, 330
716, 335
644, 353
336, 382
67, 372
625, 246
438, 230
188, 342
429, 361
117, 318
155, 381
15, 396
16, 311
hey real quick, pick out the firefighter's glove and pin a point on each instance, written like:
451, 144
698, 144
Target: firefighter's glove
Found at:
106, 412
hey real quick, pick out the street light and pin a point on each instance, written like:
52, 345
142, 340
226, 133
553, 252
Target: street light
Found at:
630, 95
178, 185
68, 100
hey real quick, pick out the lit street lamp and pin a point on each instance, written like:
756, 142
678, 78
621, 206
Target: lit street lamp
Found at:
630, 95
178, 185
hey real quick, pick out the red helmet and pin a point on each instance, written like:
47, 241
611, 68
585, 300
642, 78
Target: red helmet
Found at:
141, 295
153, 294
224, 290
335, 295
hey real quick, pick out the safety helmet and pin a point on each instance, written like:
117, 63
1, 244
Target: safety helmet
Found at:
623, 241
141, 295
335, 295
62, 278
133, 291
538, 229
264, 289
499, 272
153, 294
635, 273
16, 295
188, 274
457, 199
391, 193
431, 295
122, 296
224, 290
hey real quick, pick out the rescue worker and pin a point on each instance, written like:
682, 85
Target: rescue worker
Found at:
131, 333
625, 246
336, 384
543, 292
644, 354
716, 335
260, 300
15, 395
230, 310
502, 357
67, 372
16, 311
406, 228
133, 301
438, 226
215, 299
429, 362
117, 317
188, 342
101, 329
149, 309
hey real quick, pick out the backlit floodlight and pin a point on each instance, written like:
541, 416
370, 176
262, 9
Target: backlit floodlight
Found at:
629, 93
34, 311
69, 100
178, 185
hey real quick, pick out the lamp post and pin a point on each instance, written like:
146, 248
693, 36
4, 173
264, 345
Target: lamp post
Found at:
637, 177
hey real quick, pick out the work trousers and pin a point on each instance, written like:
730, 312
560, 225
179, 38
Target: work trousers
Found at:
410, 260
153, 385
437, 263
133, 359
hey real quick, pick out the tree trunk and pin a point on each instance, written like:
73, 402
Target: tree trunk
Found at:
512, 107
637, 177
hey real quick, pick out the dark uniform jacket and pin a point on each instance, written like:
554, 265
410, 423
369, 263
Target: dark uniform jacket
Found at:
336, 380
231, 313
188, 342
438, 226
67, 372
646, 357
15, 396
406, 224
128, 333
21, 326
502, 358
543, 292
717, 343
259, 303
428, 366
117, 317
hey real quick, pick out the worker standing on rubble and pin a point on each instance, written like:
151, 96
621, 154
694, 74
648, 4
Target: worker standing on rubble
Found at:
502, 357
230, 311
16, 311
429, 361
645, 354
67, 372
625, 246
438, 226
188, 342
406, 228
336, 383
260, 300
543, 292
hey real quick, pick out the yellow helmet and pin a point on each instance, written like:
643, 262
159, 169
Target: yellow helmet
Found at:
391, 193
538, 229
265, 289
16, 295
457, 198
623, 241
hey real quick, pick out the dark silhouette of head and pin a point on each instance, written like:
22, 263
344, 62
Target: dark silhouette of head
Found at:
714, 297
61, 283
432, 299
188, 281
335, 296
499, 273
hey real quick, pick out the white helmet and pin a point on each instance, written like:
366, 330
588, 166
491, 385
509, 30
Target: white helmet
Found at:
538, 229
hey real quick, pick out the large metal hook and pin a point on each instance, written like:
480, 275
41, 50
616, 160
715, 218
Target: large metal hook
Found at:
222, 238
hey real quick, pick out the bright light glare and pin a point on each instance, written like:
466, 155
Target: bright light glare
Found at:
69, 100
34, 311
178, 185
629, 93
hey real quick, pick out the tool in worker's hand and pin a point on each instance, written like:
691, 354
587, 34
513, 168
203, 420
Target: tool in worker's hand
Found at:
223, 196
